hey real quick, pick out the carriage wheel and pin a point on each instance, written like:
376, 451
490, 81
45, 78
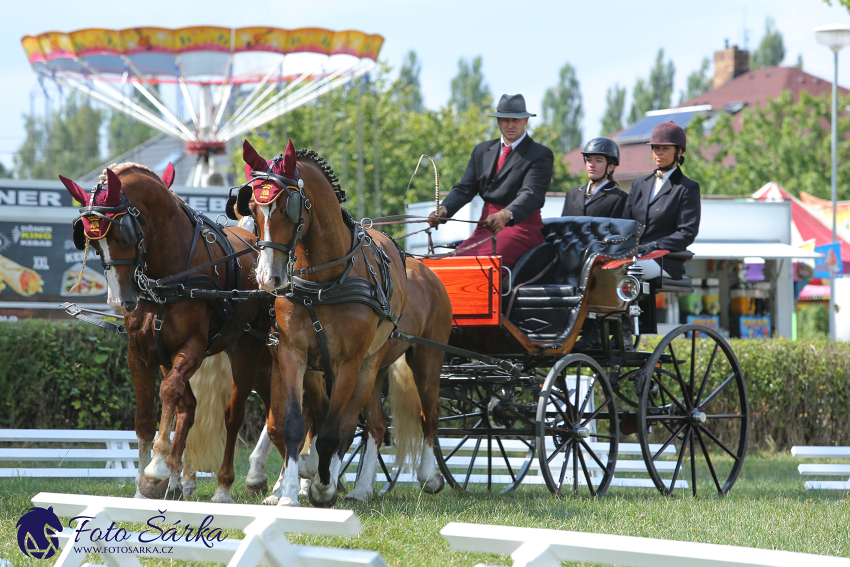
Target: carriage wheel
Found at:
577, 427
493, 456
693, 409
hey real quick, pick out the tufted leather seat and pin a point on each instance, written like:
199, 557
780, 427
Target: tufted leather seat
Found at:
547, 306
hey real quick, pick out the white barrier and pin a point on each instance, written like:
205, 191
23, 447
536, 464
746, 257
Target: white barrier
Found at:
530, 547
821, 469
265, 527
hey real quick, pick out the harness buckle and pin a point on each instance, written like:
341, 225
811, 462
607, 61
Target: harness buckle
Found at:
133, 210
272, 340
366, 221
157, 324
317, 325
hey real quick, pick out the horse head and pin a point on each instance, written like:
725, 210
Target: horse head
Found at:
122, 248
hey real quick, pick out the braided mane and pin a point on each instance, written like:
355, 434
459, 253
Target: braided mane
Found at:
322, 164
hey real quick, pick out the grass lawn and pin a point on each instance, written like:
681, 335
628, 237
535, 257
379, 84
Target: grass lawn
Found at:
768, 508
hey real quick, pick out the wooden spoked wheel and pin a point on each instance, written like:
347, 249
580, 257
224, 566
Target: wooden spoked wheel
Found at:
577, 428
693, 416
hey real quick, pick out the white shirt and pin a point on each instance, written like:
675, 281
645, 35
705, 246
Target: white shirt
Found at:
659, 183
593, 192
516, 143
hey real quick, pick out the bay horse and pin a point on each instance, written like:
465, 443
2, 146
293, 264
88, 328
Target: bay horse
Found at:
337, 318
159, 236
413, 372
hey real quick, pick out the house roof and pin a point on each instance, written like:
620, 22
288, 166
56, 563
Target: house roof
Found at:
749, 89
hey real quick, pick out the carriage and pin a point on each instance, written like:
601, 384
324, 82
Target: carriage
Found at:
520, 403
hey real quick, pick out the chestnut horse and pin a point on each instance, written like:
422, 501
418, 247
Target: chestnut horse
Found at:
414, 377
159, 236
337, 319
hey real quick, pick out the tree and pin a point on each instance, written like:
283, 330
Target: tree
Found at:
845, 3
563, 112
408, 88
615, 108
779, 141
655, 92
125, 133
67, 143
468, 87
699, 82
771, 49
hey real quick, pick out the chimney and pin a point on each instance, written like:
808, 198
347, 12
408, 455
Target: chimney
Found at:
730, 63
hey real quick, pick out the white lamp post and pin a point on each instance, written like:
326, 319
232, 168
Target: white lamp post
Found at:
834, 36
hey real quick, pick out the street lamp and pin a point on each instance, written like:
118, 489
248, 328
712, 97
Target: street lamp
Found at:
834, 36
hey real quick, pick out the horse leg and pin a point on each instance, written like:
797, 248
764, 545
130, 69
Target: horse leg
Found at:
376, 427
166, 463
286, 424
185, 419
315, 410
144, 382
189, 482
350, 392
426, 364
257, 481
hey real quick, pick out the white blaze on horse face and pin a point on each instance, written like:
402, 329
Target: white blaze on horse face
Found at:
265, 264
113, 297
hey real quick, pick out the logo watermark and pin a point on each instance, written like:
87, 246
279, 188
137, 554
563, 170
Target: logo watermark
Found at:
38, 527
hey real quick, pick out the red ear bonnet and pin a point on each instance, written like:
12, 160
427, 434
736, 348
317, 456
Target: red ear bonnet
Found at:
95, 227
168, 175
267, 191
77, 192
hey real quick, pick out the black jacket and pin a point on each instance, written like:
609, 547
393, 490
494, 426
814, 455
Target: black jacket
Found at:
609, 201
671, 219
520, 186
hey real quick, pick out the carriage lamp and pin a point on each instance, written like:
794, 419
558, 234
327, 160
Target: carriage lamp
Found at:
628, 288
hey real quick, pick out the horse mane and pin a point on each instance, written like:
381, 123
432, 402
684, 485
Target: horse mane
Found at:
118, 168
323, 166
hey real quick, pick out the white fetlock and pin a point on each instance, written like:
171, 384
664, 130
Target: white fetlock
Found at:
365, 486
325, 493
305, 487
189, 487
222, 495
273, 498
157, 468
290, 484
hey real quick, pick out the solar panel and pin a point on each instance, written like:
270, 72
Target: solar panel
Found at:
642, 130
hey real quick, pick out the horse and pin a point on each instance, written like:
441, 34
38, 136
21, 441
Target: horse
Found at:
170, 327
338, 318
413, 372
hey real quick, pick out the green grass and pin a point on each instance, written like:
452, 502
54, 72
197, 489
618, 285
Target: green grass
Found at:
768, 508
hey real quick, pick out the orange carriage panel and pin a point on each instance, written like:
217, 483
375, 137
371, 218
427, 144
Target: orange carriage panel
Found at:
474, 287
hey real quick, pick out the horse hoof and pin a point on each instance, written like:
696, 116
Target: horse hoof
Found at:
328, 504
286, 501
189, 489
222, 496
175, 494
358, 496
153, 488
434, 485
257, 489
271, 500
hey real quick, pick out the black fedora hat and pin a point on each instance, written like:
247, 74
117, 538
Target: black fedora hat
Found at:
511, 106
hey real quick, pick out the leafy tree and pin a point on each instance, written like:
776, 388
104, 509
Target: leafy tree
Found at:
615, 108
562, 178
655, 92
699, 82
468, 87
66, 143
563, 112
408, 88
845, 3
799, 63
771, 49
780, 141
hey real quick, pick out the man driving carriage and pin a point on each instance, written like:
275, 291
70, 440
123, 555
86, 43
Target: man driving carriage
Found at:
512, 175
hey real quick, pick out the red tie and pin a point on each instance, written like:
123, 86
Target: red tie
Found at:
506, 150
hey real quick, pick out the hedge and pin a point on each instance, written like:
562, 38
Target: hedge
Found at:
73, 375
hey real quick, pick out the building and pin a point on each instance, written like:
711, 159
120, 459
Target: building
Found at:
735, 88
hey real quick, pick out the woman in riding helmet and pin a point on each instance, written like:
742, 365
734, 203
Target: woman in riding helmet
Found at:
666, 203
601, 197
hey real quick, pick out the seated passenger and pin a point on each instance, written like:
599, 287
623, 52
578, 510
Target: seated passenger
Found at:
512, 175
666, 203
601, 197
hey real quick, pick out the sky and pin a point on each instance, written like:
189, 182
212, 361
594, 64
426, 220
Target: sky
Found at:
523, 44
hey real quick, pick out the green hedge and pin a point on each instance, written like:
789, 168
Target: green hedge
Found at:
74, 375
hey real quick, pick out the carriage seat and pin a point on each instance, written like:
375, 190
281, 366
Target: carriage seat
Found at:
549, 278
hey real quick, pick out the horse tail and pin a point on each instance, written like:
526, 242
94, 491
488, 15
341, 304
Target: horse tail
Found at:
211, 385
406, 411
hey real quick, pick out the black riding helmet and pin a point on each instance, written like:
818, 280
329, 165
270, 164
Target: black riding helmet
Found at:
603, 147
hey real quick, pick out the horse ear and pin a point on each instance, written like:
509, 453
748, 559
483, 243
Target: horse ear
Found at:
168, 175
248, 170
252, 158
113, 187
289, 160
77, 192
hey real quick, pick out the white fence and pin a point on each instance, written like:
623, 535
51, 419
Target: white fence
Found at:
530, 547
824, 469
265, 542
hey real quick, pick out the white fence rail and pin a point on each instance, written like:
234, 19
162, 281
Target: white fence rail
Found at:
265, 542
823, 469
530, 547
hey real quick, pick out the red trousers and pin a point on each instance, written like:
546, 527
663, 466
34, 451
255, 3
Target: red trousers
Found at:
511, 243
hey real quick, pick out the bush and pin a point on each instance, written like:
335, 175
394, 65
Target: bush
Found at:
72, 375
812, 322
